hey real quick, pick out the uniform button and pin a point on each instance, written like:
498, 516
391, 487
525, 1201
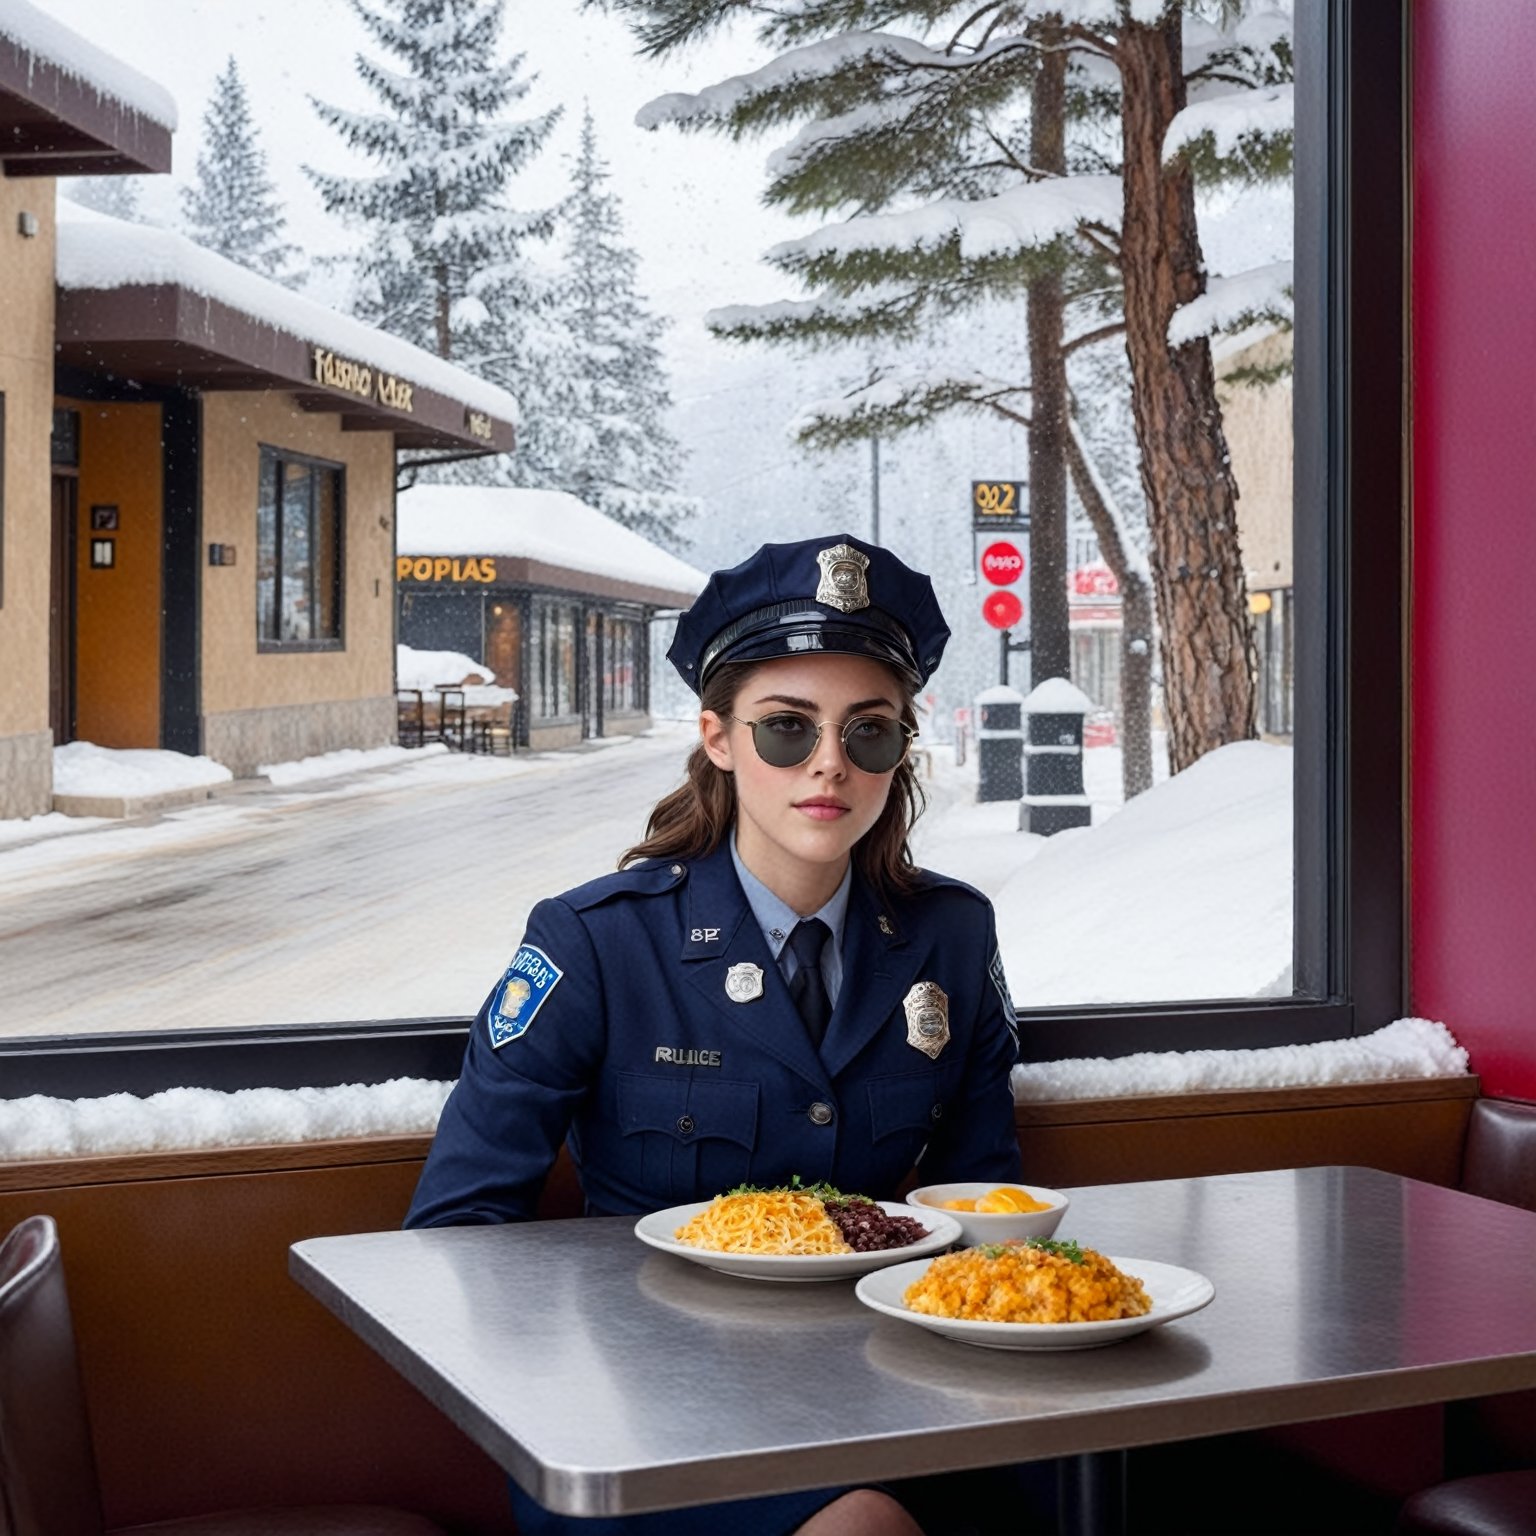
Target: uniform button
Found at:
677, 869
821, 1114
685, 1125
937, 1111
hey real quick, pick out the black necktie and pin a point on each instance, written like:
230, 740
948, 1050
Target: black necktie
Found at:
808, 989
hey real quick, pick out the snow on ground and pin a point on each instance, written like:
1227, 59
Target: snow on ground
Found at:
83, 768
331, 765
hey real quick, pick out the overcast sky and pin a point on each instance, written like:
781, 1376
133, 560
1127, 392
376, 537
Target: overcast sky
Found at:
691, 203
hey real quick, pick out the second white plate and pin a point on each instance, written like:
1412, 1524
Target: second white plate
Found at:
1174, 1292
658, 1228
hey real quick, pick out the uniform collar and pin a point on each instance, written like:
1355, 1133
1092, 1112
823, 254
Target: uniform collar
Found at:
777, 918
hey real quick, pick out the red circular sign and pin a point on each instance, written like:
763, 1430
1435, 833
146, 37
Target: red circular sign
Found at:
1002, 610
1001, 563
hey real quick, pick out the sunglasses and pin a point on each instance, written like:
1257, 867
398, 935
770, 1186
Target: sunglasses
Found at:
874, 743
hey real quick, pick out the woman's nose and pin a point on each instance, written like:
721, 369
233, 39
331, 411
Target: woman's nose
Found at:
829, 756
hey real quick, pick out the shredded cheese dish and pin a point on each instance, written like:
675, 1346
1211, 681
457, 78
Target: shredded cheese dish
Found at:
1030, 1282
764, 1221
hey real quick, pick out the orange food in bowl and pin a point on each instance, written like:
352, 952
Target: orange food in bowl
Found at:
1003, 1200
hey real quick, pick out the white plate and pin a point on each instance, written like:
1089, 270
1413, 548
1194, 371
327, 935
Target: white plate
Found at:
1174, 1292
657, 1229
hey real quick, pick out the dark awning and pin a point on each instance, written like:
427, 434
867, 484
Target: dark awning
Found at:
68, 109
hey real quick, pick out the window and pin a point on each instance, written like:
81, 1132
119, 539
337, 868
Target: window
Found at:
298, 552
1340, 620
2, 498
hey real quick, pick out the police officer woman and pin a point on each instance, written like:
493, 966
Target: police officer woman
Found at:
768, 987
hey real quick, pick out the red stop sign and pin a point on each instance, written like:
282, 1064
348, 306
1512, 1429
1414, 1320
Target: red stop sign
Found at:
1002, 610
1001, 563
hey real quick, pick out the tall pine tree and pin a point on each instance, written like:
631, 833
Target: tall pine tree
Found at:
232, 207
603, 436
441, 258
114, 195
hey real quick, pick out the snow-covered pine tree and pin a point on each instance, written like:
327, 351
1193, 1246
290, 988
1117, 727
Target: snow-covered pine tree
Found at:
117, 196
893, 120
604, 434
232, 206
441, 258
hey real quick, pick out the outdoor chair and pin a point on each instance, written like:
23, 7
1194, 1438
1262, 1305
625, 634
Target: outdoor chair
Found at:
48, 1481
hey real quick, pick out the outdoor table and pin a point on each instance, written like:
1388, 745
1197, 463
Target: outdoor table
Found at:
608, 1378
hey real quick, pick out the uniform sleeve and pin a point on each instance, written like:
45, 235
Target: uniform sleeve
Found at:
532, 1058
979, 1139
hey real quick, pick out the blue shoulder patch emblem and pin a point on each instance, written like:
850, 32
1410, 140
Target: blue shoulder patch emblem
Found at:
530, 979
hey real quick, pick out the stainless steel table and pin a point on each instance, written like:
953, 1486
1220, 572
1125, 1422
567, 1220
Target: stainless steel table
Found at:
608, 1378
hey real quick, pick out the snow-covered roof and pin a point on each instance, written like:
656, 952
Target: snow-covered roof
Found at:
552, 528
97, 253
71, 54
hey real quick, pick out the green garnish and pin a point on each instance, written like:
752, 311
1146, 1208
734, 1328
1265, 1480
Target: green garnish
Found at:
1067, 1249
796, 1186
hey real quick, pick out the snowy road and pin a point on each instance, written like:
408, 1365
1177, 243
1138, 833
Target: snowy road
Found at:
392, 894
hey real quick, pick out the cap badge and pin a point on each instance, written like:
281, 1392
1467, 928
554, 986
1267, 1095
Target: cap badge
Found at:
843, 585
744, 982
927, 1009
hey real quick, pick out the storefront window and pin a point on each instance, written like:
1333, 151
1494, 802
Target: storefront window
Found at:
555, 624
621, 666
298, 551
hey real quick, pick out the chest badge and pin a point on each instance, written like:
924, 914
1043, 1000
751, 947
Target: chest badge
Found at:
927, 1008
744, 982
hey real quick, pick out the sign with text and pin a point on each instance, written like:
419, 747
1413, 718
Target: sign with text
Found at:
998, 504
1002, 563
1002, 610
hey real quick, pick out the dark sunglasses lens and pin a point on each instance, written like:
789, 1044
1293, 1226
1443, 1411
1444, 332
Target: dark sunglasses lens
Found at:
874, 743
782, 741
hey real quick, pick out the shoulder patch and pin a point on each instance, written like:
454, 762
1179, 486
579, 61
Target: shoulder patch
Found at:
1000, 981
529, 980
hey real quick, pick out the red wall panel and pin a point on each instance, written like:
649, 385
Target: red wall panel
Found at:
1473, 736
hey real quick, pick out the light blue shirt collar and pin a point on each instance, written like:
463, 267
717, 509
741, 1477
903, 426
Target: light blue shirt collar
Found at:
776, 918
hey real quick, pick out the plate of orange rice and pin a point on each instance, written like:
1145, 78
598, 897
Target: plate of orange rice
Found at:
1035, 1294
796, 1233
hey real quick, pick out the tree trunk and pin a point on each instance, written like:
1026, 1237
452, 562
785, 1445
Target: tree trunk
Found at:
1135, 627
1207, 635
1050, 641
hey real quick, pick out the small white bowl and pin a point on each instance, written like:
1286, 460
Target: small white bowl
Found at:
994, 1226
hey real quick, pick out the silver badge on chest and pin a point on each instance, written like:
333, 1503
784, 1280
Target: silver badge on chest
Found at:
744, 982
843, 584
927, 1008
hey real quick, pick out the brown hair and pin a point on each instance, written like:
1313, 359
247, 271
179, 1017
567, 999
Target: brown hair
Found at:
694, 820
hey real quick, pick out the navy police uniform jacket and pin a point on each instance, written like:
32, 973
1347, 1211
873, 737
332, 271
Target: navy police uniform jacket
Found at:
613, 1027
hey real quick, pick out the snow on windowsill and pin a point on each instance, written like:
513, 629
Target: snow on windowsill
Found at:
188, 1119
1409, 1048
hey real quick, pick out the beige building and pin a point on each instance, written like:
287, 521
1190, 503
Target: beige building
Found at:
197, 466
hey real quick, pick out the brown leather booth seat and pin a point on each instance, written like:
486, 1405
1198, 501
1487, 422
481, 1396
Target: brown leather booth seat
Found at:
1499, 1163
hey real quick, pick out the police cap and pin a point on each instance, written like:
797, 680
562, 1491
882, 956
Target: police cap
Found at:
834, 593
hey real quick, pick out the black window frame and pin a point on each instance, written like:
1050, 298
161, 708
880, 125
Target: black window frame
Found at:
272, 453
1351, 669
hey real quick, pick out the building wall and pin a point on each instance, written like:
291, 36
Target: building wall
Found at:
117, 609
1258, 425
1473, 743
26, 380
272, 707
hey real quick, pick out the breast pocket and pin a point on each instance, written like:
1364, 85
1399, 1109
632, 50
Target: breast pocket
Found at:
690, 1138
905, 1109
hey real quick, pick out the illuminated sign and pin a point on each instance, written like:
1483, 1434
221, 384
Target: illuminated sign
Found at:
354, 378
998, 504
442, 568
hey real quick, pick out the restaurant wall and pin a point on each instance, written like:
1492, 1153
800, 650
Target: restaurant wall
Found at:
1473, 820
26, 382
274, 707
117, 608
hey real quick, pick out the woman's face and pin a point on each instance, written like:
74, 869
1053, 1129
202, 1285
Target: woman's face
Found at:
803, 821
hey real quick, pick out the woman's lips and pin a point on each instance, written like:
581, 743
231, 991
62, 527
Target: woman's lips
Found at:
822, 810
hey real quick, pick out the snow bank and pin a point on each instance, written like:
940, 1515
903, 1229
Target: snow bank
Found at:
1407, 1048
330, 765
66, 50
82, 768
180, 1118
429, 669
1185, 893
551, 526
98, 252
